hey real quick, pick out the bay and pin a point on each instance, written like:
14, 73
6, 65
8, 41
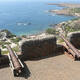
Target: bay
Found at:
26, 18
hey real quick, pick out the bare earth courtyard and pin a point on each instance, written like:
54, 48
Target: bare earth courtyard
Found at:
54, 68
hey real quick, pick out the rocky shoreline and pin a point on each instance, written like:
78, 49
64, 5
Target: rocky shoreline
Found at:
69, 10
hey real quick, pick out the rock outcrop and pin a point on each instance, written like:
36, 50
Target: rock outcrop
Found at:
38, 47
74, 38
5, 34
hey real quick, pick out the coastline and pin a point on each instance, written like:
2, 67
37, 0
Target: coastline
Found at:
69, 5
69, 10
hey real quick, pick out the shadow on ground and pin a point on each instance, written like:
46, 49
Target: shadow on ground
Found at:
26, 72
4, 61
4, 66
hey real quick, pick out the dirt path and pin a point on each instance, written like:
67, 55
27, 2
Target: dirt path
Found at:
55, 68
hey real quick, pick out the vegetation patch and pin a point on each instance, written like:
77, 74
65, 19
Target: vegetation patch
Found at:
4, 52
71, 26
16, 40
51, 31
75, 10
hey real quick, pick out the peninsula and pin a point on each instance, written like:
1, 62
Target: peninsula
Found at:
69, 9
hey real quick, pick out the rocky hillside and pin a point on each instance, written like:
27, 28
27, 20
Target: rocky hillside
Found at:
69, 26
5, 34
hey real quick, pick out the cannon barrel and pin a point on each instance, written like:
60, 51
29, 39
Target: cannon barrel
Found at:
15, 62
75, 52
14, 58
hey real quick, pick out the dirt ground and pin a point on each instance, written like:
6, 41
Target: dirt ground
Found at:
54, 68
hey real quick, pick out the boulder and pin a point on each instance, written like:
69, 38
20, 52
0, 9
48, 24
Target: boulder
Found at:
74, 38
38, 47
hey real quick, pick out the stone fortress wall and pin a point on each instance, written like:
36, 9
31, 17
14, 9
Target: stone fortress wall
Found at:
38, 47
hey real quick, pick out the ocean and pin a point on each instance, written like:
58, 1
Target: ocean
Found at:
26, 18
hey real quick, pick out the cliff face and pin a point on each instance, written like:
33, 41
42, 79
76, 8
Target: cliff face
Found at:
38, 47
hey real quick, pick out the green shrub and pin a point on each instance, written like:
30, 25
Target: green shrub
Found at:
51, 31
3, 46
3, 43
16, 40
4, 52
24, 36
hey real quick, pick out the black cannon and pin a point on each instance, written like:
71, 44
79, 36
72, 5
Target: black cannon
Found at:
15, 63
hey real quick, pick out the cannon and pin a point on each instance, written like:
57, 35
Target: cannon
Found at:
71, 49
15, 63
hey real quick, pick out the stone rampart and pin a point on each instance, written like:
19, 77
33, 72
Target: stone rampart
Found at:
38, 47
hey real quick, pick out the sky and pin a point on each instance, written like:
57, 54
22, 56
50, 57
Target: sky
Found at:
36, 0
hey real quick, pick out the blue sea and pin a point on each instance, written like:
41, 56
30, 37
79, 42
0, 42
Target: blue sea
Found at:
26, 18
